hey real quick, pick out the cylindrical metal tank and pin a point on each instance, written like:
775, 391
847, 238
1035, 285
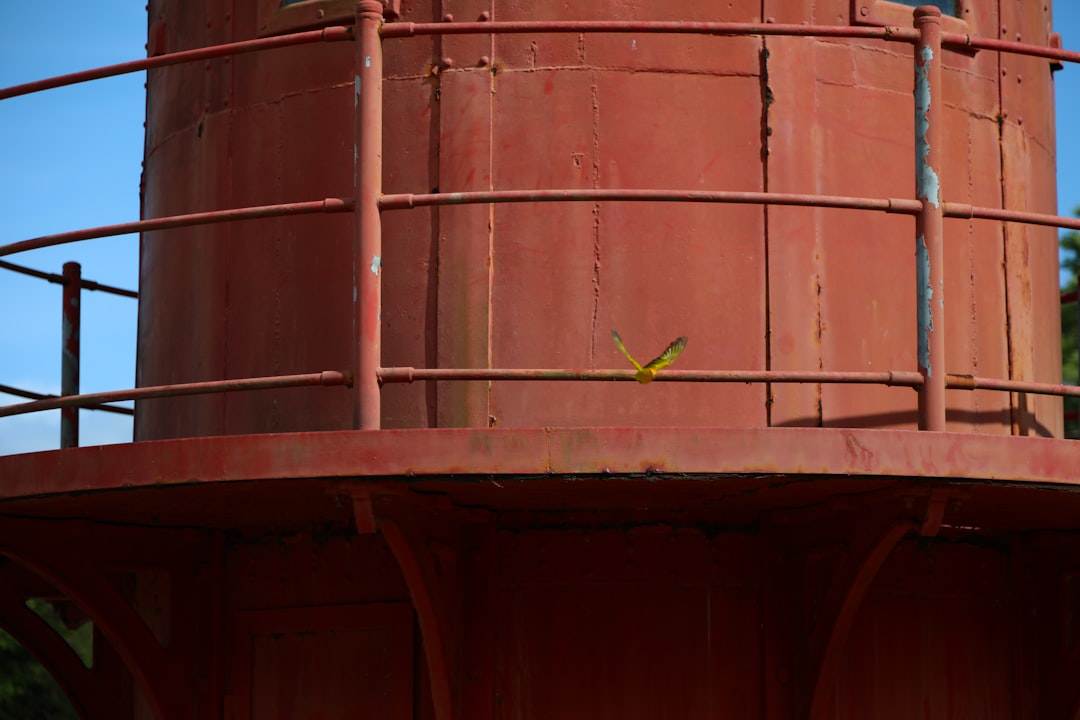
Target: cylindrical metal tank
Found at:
541, 285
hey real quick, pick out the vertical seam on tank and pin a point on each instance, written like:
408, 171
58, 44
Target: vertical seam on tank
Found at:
596, 217
229, 137
279, 253
431, 356
766, 102
1014, 418
819, 260
490, 404
973, 249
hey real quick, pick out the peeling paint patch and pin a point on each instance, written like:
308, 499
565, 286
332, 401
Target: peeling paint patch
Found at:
376, 265
924, 293
927, 187
356, 91
367, 61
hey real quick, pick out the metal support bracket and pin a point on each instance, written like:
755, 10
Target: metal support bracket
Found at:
161, 673
871, 545
428, 546
935, 513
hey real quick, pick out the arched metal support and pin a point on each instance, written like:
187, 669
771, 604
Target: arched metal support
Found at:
428, 547
874, 539
159, 673
840, 610
44, 643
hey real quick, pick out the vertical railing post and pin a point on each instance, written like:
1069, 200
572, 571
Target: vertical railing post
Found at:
69, 357
367, 187
929, 230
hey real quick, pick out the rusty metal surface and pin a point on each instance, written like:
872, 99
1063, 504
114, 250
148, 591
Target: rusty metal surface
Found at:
824, 280
1027, 137
607, 571
324, 662
266, 297
403, 201
715, 451
613, 614
536, 27
475, 276
408, 375
367, 238
929, 231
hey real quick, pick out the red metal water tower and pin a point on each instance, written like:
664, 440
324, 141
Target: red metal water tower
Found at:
849, 497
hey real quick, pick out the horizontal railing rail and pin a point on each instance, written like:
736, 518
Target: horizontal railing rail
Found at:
327, 378
368, 201
61, 280
409, 374
19, 392
328, 205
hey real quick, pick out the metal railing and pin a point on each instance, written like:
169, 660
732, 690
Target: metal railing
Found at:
368, 202
71, 331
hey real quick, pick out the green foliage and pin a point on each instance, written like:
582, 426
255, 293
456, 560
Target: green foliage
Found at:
81, 639
1070, 362
27, 691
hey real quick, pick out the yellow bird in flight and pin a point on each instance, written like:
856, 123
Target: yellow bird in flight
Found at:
648, 372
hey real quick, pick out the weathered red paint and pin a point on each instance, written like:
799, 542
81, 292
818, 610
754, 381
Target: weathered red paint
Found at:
545, 452
367, 252
959, 210
702, 564
408, 201
411, 29
898, 379
847, 592
429, 590
929, 229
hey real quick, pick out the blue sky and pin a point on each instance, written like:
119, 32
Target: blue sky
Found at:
71, 157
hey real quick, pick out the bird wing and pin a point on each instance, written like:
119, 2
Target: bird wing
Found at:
668, 356
619, 344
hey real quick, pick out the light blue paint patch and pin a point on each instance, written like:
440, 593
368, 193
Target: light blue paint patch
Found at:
924, 293
367, 61
356, 92
927, 187
376, 264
